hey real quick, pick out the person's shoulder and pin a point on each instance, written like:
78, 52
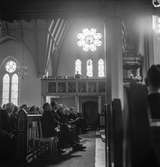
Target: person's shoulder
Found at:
157, 95
3, 112
154, 97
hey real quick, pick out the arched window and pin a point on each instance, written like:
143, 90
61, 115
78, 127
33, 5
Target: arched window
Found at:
10, 83
5, 95
78, 65
89, 68
14, 89
101, 68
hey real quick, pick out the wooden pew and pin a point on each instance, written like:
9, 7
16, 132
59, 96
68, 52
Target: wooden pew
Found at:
114, 134
31, 143
108, 135
117, 133
155, 136
138, 149
130, 138
21, 138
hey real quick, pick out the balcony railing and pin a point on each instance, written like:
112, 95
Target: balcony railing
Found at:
73, 86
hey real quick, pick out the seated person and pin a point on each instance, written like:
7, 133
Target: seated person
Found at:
49, 123
66, 135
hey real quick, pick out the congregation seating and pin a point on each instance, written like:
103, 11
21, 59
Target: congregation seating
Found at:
114, 134
140, 146
29, 140
132, 137
137, 127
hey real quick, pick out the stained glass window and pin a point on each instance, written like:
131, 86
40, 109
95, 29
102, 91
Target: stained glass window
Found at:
89, 68
78, 65
101, 68
89, 39
5, 95
14, 89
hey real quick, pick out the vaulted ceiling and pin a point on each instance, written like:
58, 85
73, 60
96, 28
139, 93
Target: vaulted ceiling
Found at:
54, 9
28, 9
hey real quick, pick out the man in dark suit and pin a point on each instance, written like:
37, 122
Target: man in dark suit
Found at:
153, 85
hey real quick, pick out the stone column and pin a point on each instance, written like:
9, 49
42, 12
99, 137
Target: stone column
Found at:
114, 66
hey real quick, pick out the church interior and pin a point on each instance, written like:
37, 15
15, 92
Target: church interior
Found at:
75, 82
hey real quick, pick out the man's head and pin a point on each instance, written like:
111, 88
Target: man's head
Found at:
46, 107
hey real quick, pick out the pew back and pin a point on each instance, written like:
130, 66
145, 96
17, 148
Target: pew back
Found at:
117, 132
137, 129
114, 134
29, 146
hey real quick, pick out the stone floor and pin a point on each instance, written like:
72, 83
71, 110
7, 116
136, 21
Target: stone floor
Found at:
92, 156
99, 151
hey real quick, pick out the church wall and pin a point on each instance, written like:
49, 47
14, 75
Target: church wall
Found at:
28, 47
70, 51
30, 84
33, 34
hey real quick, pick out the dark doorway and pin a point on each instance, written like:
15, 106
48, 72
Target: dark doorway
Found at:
90, 112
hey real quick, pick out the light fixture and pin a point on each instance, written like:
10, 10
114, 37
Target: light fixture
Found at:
156, 3
89, 39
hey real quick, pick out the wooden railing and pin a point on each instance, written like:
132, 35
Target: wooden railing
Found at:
73, 86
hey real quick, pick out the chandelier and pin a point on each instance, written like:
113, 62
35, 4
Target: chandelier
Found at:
89, 39
156, 24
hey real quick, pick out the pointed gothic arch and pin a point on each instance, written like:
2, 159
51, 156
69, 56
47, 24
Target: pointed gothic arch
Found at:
100, 67
5, 88
10, 80
89, 68
78, 66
